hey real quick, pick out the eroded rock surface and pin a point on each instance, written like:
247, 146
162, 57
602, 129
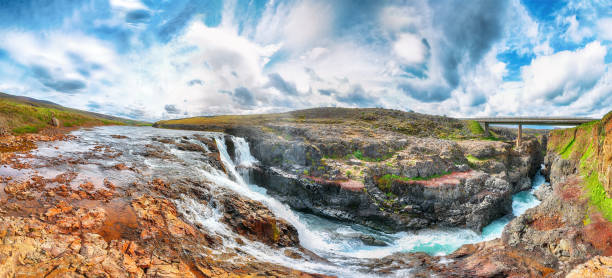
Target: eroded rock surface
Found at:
78, 224
417, 183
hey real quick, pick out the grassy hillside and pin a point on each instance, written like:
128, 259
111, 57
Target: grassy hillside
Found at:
20, 115
409, 123
590, 145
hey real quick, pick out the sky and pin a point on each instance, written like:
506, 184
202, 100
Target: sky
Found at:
152, 60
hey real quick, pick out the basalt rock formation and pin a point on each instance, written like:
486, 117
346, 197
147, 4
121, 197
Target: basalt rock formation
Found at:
568, 235
382, 177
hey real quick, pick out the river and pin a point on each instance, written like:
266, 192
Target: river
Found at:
337, 242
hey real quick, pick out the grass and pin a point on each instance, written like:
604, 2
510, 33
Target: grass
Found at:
359, 155
22, 117
598, 196
567, 150
475, 127
474, 160
385, 182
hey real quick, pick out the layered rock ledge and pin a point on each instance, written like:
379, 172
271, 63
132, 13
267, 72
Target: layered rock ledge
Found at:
383, 177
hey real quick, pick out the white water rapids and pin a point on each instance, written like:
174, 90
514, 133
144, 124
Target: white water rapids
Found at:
336, 242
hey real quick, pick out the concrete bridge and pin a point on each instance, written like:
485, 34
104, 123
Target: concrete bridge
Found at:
520, 121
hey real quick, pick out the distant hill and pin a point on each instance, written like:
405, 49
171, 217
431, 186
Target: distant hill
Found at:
409, 123
19, 114
393, 120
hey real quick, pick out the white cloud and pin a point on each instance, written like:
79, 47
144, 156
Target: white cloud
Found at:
604, 27
127, 4
145, 80
410, 48
575, 32
399, 18
563, 76
298, 25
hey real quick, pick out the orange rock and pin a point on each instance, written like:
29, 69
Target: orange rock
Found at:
160, 216
62, 207
109, 184
92, 219
121, 167
87, 186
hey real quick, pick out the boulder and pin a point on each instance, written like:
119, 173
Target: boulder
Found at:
55, 122
255, 221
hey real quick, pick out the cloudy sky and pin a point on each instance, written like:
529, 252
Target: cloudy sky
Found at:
152, 60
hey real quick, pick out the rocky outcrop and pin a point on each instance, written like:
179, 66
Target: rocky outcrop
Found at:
159, 217
256, 222
569, 233
420, 183
369, 165
596, 267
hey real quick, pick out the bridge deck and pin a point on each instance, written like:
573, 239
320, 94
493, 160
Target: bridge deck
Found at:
533, 120
520, 121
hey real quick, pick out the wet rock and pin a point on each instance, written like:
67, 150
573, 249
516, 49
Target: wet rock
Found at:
494, 259
159, 216
543, 191
158, 152
256, 222
371, 241
121, 167
230, 147
71, 220
189, 146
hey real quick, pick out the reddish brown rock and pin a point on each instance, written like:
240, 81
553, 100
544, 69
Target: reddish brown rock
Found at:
159, 216
596, 267
256, 222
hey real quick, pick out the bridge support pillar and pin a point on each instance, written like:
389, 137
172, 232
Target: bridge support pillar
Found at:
519, 136
486, 129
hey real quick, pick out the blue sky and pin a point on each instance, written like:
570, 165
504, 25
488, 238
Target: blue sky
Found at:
153, 60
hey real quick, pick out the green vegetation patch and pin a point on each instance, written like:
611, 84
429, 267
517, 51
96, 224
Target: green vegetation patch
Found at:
597, 195
474, 160
23, 117
359, 155
475, 127
567, 150
26, 129
384, 183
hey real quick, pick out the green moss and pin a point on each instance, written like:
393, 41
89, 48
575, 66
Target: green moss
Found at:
587, 219
475, 127
359, 155
597, 195
474, 160
384, 183
567, 150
